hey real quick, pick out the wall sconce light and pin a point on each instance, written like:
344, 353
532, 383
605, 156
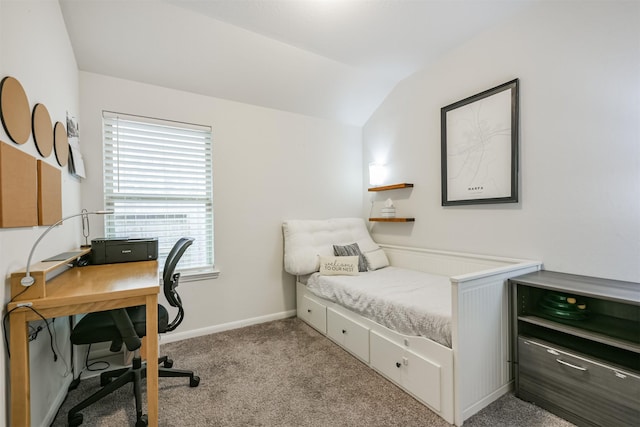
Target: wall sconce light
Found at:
28, 280
377, 173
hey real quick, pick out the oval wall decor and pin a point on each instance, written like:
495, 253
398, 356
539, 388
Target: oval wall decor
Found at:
42, 130
14, 110
61, 143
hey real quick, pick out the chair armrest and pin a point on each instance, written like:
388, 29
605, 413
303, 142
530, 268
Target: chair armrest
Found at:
131, 340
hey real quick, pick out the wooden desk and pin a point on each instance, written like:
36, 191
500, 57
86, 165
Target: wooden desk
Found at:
83, 290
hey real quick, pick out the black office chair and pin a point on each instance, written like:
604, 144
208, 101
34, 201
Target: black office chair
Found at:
128, 326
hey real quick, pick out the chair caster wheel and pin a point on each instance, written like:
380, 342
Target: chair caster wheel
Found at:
167, 363
194, 381
75, 420
143, 421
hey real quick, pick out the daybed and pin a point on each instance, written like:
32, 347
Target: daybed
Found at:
458, 371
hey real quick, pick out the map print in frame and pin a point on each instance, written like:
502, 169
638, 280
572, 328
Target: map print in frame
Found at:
479, 152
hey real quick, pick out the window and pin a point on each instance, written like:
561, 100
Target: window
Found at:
158, 181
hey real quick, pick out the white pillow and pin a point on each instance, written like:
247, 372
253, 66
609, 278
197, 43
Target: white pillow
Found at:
304, 240
339, 265
376, 259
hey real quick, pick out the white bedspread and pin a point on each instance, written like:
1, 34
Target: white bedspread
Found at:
407, 301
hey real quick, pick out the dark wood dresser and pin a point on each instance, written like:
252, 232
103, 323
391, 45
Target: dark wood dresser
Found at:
577, 347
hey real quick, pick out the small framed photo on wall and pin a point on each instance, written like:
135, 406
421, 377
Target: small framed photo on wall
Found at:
479, 148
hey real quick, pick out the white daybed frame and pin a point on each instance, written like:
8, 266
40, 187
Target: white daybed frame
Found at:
454, 382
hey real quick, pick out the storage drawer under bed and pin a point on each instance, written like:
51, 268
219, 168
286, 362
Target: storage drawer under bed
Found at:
597, 393
312, 312
349, 334
414, 373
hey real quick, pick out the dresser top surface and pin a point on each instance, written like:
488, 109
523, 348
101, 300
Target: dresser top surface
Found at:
583, 285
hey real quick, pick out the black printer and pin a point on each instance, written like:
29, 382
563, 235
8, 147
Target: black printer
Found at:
112, 250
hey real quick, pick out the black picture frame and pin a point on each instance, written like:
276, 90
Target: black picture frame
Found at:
479, 147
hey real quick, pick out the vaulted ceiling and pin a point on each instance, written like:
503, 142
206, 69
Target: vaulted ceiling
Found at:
333, 59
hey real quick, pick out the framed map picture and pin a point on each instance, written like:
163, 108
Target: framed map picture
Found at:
479, 153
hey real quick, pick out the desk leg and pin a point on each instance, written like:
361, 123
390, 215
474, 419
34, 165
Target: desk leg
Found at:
19, 345
152, 359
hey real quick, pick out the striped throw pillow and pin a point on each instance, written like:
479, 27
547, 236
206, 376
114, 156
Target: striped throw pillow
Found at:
352, 250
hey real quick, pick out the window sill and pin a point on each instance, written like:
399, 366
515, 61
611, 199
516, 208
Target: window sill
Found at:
193, 276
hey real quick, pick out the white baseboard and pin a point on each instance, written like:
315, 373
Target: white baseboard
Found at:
179, 336
57, 403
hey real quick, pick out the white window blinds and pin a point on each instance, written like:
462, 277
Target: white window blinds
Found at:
158, 181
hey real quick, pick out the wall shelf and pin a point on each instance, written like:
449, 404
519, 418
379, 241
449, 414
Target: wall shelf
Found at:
391, 187
392, 219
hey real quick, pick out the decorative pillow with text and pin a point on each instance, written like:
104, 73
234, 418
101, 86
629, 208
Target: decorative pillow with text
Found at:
339, 265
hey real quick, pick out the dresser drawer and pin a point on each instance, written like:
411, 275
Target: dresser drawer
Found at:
596, 393
315, 314
349, 334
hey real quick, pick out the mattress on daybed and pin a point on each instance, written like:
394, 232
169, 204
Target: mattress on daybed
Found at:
407, 301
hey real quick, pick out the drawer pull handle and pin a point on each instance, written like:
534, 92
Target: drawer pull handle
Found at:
579, 368
398, 364
344, 331
308, 310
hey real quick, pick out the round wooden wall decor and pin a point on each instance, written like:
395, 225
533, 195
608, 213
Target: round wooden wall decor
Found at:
61, 144
14, 110
42, 130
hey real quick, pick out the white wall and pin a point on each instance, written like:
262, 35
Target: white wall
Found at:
268, 166
579, 209
35, 50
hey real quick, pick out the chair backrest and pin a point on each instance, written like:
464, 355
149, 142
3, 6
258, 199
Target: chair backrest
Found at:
170, 279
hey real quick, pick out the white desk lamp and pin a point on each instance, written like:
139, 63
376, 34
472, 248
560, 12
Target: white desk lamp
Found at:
28, 280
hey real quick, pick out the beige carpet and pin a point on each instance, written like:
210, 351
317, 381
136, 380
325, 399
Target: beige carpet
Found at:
284, 373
